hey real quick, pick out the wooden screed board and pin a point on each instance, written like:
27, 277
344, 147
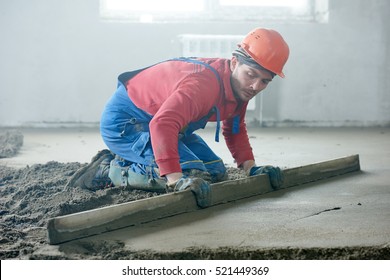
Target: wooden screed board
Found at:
92, 222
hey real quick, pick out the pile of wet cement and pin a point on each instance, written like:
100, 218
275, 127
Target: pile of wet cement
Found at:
32, 195
10, 143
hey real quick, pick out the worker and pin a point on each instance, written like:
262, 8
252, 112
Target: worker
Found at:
149, 123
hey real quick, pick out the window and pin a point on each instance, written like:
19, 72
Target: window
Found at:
158, 11
254, 3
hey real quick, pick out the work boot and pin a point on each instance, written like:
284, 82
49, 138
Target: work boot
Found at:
196, 173
94, 176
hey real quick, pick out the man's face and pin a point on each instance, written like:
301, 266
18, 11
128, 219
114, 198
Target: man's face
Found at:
247, 81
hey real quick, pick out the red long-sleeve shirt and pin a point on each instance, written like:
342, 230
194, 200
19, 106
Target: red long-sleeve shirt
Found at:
177, 93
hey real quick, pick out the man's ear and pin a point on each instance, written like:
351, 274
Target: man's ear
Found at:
233, 63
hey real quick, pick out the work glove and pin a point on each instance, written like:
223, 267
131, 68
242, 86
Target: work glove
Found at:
275, 174
199, 187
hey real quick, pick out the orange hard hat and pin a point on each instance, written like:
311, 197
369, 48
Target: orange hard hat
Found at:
268, 48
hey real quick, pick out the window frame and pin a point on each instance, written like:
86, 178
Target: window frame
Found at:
315, 11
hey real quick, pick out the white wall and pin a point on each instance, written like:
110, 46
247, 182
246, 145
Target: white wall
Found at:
338, 73
59, 63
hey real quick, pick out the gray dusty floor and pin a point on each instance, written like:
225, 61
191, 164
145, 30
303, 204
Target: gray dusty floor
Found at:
350, 210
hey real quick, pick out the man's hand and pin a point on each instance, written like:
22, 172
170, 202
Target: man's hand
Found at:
275, 174
199, 187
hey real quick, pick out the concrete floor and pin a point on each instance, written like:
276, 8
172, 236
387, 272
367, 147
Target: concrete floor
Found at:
349, 210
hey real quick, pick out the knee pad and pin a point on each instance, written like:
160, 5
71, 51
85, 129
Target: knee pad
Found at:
125, 177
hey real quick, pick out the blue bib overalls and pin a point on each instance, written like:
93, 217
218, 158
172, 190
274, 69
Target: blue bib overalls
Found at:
125, 130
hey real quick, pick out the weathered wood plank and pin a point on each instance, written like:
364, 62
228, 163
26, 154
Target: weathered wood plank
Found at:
321, 170
92, 222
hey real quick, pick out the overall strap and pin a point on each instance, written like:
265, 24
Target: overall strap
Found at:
199, 62
124, 77
208, 66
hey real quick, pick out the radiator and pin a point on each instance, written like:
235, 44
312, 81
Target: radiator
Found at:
201, 45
